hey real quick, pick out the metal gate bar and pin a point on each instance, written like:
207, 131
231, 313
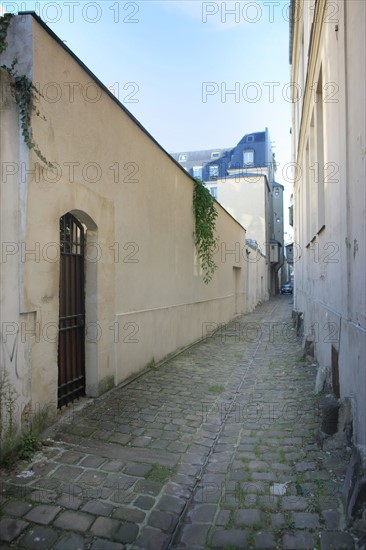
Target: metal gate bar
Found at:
71, 348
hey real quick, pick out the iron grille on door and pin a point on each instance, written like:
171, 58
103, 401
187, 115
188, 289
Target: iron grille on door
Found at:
71, 344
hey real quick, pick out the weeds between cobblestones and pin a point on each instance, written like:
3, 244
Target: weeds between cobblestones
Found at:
213, 449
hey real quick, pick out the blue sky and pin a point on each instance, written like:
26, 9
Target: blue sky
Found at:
173, 64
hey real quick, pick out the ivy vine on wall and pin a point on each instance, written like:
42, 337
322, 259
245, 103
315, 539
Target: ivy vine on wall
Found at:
205, 223
24, 91
4, 25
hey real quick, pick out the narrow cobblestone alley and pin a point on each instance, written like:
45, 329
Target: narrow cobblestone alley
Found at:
216, 448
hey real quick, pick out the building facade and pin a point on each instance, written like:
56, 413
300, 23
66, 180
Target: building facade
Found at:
328, 58
99, 274
242, 179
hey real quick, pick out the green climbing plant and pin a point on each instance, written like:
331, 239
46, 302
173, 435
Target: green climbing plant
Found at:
205, 223
4, 25
25, 93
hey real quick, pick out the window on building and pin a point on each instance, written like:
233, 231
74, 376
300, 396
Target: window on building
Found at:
277, 193
183, 158
250, 139
306, 193
213, 171
215, 154
313, 178
291, 215
311, 6
248, 157
197, 172
213, 191
320, 152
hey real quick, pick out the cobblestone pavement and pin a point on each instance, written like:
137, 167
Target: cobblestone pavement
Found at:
213, 449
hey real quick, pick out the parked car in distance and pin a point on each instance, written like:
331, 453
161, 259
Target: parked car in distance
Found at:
286, 289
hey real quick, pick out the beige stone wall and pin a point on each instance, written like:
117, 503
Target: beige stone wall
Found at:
329, 196
248, 201
15, 348
145, 295
257, 278
236, 194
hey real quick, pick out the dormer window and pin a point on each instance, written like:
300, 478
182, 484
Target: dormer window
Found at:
197, 172
183, 158
248, 157
250, 139
215, 154
213, 171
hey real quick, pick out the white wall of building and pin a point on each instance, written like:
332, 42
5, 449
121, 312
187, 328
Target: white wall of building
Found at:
329, 121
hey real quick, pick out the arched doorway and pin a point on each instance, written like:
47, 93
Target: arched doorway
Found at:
71, 346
